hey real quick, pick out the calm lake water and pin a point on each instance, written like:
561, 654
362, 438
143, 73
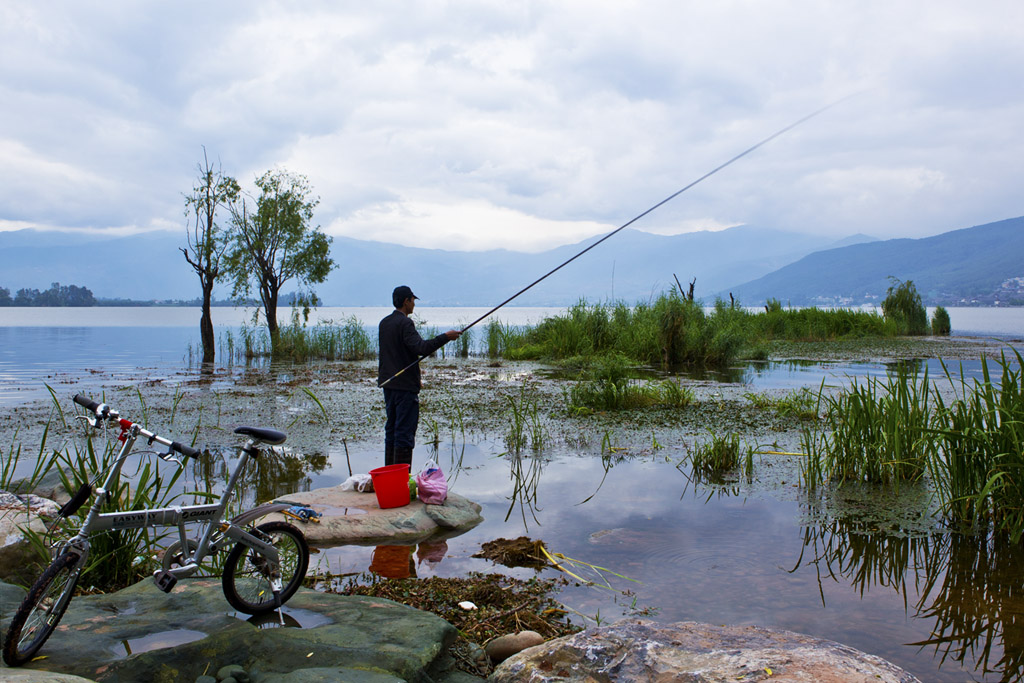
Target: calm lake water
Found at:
938, 605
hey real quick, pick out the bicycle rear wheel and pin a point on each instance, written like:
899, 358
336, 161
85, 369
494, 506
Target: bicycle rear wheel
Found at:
248, 577
41, 610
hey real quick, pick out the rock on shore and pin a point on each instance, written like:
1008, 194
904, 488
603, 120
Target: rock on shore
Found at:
641, 651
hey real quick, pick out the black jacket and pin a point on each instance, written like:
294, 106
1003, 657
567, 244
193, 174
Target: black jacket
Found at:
400, 345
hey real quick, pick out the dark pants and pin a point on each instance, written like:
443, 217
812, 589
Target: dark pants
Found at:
403, 415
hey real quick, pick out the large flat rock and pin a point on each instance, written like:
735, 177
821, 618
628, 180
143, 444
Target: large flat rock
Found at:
640, 651
142, 634
351, 517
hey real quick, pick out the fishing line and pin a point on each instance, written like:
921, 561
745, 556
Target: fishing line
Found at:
634, 220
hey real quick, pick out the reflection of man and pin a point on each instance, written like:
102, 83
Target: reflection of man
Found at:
399, 374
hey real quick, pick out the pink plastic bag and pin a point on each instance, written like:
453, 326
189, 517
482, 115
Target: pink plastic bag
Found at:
431, 484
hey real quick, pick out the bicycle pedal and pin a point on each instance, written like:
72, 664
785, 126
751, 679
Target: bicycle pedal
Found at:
164, 580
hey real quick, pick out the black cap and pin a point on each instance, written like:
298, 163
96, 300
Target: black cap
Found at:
400, 294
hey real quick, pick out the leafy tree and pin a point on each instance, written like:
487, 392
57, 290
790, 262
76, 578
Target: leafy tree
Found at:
56, 295
207, 240
940, 322
26, 297
903, 304
5, 297
275, 243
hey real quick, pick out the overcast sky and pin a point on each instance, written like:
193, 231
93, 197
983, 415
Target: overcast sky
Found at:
522, 125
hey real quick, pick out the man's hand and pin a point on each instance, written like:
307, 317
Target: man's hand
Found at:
453, 335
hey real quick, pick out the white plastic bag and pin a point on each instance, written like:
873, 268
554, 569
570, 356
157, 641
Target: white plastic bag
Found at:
358, 482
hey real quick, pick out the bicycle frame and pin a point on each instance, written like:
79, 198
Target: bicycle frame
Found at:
216, 530
261, 572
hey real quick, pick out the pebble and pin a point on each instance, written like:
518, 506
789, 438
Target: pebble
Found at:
503, 647
232, 673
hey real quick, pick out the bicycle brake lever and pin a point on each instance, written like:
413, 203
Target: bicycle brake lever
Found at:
93, 422
169, 456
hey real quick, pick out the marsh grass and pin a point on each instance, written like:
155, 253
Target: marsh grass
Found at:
526, 427
875, 431
673, 331
503, 341
971, 446
44, 458
605, 385
816, 324
299, 342
979, 473
716, 457
801, 403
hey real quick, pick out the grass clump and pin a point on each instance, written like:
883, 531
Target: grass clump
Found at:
901, 428
801, 403
607, 386
979, 472
719, 455
525, 424
672, 331
815, 324
876, 431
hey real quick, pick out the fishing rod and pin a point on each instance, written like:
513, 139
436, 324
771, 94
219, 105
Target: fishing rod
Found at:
628, 223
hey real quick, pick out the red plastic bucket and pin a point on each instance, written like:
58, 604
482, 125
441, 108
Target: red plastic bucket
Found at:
391, 484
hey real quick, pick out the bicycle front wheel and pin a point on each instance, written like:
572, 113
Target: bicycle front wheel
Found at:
41, 610
249, 579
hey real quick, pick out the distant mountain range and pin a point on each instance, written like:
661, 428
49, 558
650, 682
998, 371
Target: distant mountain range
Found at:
752, 263
983, 265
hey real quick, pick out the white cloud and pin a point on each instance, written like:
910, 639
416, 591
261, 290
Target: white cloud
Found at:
539, 120
461, 226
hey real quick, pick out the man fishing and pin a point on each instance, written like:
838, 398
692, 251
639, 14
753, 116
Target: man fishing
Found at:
398, 372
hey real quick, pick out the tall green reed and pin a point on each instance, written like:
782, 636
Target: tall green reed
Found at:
525, 424
875, 431
971, 446
979, 474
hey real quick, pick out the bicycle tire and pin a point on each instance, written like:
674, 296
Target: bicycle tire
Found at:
41, 610
247, 581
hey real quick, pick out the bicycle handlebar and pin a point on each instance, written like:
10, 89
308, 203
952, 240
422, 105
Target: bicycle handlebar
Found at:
91, 405
102, 411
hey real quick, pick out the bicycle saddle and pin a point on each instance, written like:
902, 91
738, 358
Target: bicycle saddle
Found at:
271, 436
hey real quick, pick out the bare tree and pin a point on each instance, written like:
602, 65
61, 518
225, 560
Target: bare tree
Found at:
207, 240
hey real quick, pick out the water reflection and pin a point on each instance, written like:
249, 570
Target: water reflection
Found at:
968, 587
393, 562
397, 561
525, 472
275, 473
